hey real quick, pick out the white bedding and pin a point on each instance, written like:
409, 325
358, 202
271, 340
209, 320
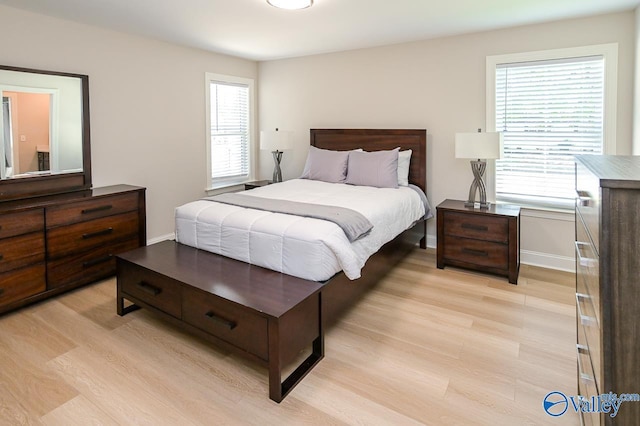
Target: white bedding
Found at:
308, 248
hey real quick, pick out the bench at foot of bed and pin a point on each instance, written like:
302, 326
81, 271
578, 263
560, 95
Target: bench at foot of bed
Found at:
264, 315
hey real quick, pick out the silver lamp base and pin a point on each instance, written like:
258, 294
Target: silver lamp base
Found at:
277, 172
478, 168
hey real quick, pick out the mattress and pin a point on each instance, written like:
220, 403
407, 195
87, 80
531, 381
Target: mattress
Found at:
308, 248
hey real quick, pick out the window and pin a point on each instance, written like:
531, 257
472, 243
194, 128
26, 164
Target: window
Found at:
549, 106
229, 129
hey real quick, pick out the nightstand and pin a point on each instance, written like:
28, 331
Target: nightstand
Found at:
486, 240
256, 184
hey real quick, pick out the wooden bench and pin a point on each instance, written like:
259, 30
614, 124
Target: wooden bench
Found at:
264, 315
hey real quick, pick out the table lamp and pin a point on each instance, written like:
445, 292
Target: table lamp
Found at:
479, 146
275, 141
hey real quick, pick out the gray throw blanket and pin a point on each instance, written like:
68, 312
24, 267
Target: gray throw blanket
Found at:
354, 224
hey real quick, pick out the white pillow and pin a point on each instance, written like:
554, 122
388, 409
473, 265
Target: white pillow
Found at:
404, 160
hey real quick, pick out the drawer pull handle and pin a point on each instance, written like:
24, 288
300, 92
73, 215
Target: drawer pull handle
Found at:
219, 320
97, 234
582, 349
583, 260
584, 200
93, 262
583, 376
475, 227
585, 320
97, 209
1, 291
475, 252
148, 288
1, 256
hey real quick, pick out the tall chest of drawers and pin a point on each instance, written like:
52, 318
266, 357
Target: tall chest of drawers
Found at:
608, 281
52, 244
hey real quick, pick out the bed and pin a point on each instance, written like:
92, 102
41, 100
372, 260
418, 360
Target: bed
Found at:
282, 312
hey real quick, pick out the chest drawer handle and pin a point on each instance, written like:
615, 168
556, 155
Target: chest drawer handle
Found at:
475, 252
585, 320
583, 376
1, 291
584, 200
97, 234
1, 256
219, 320
475, 227
149, 289
90, 263
97, 209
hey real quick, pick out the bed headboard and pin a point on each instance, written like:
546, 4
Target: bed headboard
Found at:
376, 140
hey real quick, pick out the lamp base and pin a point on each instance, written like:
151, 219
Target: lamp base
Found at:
277, 172
478, 168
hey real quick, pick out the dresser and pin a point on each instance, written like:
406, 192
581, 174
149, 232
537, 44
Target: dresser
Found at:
608, 281
51, 244
486, 240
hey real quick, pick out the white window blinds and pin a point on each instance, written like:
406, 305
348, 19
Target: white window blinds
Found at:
229, 130
548, 111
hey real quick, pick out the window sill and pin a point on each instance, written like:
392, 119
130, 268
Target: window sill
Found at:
543, 212
220, 187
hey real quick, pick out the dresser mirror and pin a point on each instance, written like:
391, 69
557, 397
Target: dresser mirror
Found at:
44, 133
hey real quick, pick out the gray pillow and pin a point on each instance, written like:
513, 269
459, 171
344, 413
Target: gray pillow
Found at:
379, 168
326, 165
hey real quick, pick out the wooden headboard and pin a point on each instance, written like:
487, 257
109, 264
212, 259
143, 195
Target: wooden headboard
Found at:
376, 140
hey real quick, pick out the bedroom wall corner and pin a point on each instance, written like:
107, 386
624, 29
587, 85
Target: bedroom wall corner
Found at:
147, 103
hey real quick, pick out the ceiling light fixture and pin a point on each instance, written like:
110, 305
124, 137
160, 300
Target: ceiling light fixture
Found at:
291, 4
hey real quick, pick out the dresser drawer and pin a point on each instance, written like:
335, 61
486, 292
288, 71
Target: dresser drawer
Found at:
89, 266
82, 211
587, 267
588, 202
587, 384
476, 252
476, 226
589, 326
150, 287
21, 283
12, 224
227, 321
79, 237
21, 251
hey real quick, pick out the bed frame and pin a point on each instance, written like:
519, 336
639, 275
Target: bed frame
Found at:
261, 314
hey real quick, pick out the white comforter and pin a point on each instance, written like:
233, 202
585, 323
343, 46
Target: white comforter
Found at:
308, 248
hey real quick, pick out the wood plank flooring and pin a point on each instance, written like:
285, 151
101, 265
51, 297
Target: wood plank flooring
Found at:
426, 346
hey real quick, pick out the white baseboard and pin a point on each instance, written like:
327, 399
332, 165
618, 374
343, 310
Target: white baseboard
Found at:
550, 261
165, 237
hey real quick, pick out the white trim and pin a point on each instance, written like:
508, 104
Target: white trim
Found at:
161, 238
253, 151
549, 261
608, 51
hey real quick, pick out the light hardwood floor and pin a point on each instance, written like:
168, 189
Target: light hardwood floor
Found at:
426, 346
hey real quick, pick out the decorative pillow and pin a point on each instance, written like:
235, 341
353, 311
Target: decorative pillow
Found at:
326, 165
379, 168
404, 159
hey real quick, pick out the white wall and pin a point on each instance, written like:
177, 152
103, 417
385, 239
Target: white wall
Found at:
438, 85
147, 103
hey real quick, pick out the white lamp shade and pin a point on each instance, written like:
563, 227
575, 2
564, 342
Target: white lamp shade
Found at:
275, 140
479, 145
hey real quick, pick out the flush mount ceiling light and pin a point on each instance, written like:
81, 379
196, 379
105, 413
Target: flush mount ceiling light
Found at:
291, 4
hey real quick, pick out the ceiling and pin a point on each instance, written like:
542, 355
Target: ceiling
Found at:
253, 29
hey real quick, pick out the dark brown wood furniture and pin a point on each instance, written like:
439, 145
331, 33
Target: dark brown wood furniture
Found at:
265, 315
486, 240
213, 289
256, 184
608, 281
52, 244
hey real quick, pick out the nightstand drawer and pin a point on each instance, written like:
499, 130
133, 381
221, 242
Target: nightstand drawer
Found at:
151, 288
477, 226
476, 252
227, 321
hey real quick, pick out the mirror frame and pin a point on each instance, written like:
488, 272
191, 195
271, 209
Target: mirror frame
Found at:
56, 183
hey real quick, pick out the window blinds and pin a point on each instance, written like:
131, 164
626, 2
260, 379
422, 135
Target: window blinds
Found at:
229, 130
548, 112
